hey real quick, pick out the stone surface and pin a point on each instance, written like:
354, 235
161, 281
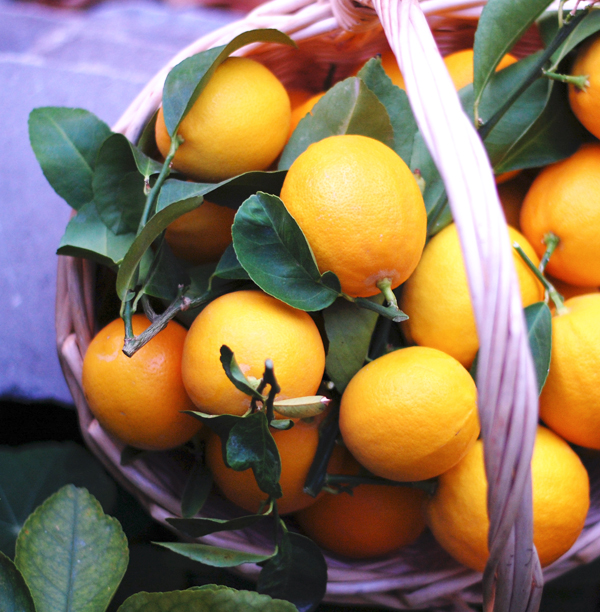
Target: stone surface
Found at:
98, 60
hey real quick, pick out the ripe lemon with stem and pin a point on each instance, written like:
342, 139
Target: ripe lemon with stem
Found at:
584, 97
361, 210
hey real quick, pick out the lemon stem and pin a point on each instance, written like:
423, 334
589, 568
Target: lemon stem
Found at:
385, 286
551, 241
552, 292
126, 316
581, 81
342, 480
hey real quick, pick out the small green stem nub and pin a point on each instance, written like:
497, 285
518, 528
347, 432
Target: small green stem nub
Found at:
385, 286
581, 81
420, 180
551, 241
552, 292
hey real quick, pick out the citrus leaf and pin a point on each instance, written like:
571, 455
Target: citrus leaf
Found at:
30, 473
208, 598
14, 593
274, 252
221, 424
200, 527
146, 143
213, 555
349, 107
197, 489
501, 24
229, 266
236, 376
349, 329
396, 104
301, 407
251, 445
329, 431
539, 332
186, 81
297, 573
71, 554
167, 275
390, 312
87, 236
66, 142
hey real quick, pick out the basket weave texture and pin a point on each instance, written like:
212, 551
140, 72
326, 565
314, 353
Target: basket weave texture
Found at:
344, 33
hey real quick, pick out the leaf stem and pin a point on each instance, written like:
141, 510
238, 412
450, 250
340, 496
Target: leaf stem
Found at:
581, 81
551, 241
552, 292
269, 379
385, 286
534, 74
126, 315
429, 486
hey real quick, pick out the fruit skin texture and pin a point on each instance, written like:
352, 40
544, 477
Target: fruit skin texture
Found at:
436, 297
360, 209
297, 447
373, 521
457, 513
256, 327
565, 199
585, 104
239, 123
201, 235
570, 399
139, 399
410, 415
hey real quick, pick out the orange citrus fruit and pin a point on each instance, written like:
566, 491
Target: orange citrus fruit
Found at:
300, 111
201, 235
460, 66
570, 399
240, 122
585, 103
565, 199
297, 447
390, 65
360, 209
256, 327
436, 297
457, 513
139, 399
410, 415
511, 194
374, 520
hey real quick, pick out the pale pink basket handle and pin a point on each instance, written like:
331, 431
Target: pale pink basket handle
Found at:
505, 378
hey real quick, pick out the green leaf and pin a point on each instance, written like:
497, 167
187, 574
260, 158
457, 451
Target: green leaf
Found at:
390, 312
501, 24
349, 107
229, 266
31, 473
251, 445
213, 555
168, 274
186, 81
236, 376
118, 186
66, 142
349, 329
548, 26
208, 598
221, 424
147, 141
297, 573
87, 236
539, 332
197, 489
300, 407
71, 554
200, 527
396, 104
275, 254
14, 593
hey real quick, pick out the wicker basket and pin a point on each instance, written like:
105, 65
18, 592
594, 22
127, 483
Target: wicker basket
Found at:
343, 32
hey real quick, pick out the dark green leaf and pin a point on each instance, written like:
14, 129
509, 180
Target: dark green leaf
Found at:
391, 312
196, 491
14, 594
213, 555
229, 266
147, 141
349, 107
71, 554
186, 81
275, 254
87, 236
31, 473
281, 424
297, 573
168, 274
396, 104
301, 407
539, 332
208, 598
349, 329
66, 142
236, 376
118, 186
251, 445
200, 527
548, 26
501, 24
221, 424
